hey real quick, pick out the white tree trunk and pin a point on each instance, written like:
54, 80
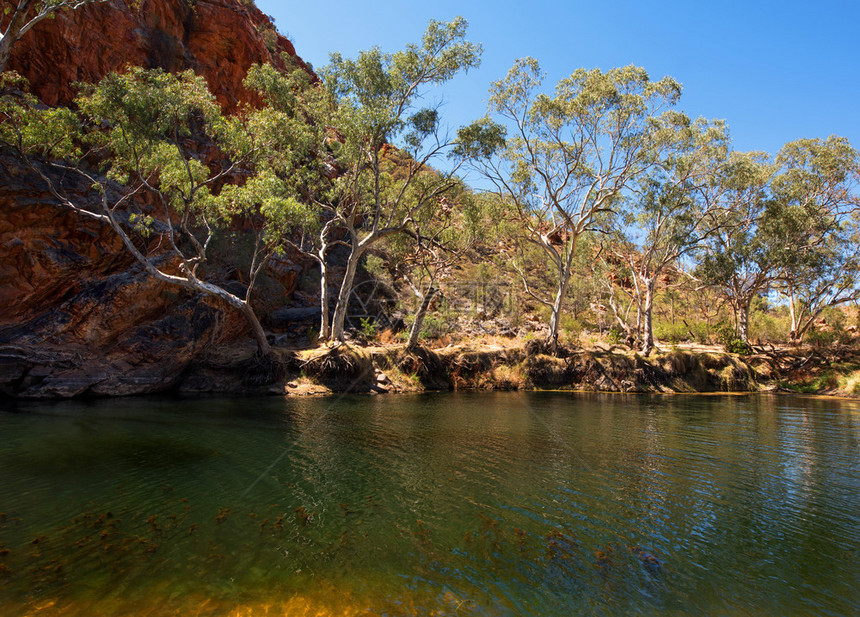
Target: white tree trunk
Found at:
190, 282
415, 331
343, 296
647, 312
555, 319
325, 324
13, 31
256, 329
743, 316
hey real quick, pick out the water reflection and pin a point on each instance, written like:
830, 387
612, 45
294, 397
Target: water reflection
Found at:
499, 504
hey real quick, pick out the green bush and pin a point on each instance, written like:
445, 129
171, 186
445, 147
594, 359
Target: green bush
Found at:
670, 332
433, 326
769, 326
731, 341
368, 327
702, 331
570, 325
375, 266
615, 335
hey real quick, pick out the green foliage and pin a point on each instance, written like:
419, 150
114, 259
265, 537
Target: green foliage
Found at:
375, 266
269, 35
826, 381
32, 128
375, 93
670, 332
570, 325
615, 335
769, 325
369, 327
788, 221
433, 326
702, 331
730, 341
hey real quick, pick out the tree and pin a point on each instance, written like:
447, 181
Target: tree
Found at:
26, 14
828, 277
437, 241
778, 218
295, 109
819, 179
668, 217
570, 155
385, 143
741, 258
149, 128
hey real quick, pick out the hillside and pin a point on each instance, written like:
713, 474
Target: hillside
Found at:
80, 317
76, 314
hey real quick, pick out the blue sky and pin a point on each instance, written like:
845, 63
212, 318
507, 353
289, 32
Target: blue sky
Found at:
776, 71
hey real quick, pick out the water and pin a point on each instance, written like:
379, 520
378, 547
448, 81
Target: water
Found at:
460, 504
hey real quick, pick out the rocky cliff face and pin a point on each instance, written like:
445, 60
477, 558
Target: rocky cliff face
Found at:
77, 315
219, 39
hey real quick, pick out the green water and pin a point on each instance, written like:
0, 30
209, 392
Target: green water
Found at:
449, 504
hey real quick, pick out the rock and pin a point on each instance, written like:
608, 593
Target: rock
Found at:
65, 385
284, 317
12, 370
281, 340
219, 39
87, 317
382, 379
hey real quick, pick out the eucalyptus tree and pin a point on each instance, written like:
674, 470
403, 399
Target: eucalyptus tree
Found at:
385, 141
22, 15
830, 276
779, 216
569, 156
435, 243
818, 182
295, 116
742, 258
668, 217
148, 128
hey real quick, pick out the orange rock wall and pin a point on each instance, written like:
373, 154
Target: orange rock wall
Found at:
77, 315
219, 39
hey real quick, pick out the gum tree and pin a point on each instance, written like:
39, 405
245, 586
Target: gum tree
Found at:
436, 242
148, 129
743, 257
780, 217
386, 141
668, 216
295, 109
564, 159
819, 180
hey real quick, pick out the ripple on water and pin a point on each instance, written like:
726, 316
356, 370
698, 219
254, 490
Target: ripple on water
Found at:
490, 504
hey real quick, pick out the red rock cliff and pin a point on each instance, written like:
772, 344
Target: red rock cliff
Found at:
77, 315
219, 39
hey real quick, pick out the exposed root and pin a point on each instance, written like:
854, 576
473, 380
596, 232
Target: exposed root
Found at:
338, 363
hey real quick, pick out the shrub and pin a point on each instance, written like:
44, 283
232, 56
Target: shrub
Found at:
615, 335
702, 331
433, 326
570, 327
731, 341
368, 327
670, 332
769, 326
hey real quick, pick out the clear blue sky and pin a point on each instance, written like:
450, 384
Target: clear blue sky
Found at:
776, 71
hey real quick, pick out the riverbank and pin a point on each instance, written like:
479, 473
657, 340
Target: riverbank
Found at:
494, 366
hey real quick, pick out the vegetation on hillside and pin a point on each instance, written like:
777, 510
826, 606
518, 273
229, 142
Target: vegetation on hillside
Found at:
613, 218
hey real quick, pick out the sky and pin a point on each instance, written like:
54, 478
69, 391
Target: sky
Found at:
774, 70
